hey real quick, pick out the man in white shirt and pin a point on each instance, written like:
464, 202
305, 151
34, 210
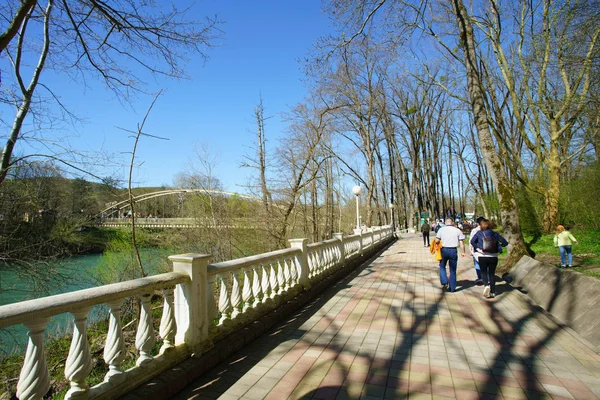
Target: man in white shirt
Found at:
451, 237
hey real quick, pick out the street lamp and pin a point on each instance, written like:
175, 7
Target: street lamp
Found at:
392, 216
357, 191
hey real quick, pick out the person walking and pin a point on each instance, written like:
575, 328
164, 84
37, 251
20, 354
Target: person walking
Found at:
425, 229
474, 253
564, 240
451, 237
486, 242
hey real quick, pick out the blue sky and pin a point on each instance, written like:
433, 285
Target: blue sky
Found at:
258, 56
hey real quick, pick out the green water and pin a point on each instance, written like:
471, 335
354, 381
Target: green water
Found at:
69, 275
79, 273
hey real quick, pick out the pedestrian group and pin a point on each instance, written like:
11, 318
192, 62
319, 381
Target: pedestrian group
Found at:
485, 245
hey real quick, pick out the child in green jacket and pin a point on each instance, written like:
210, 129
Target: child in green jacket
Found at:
563, 240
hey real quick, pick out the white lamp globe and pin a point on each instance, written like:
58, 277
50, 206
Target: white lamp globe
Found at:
356, 190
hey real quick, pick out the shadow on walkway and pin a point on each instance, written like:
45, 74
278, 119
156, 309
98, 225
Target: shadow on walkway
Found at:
389, 331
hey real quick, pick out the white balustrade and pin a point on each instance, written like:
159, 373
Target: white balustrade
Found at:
168, 326
114, 348
212, 310
236, 296
247, 296
265, 283
281, 282
189, 309
34, 380
273, 280
287, 274
294, 271
257, 292
224, 301
79, 362
144, 338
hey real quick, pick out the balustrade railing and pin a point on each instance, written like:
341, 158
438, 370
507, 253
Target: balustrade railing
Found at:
201, 301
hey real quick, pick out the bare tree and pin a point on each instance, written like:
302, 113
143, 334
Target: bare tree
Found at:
113, 42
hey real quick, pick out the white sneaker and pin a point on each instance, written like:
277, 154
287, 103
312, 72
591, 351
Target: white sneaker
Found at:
486, 291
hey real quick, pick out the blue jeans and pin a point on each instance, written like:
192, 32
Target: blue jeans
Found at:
449, 254
565, 251
477, 267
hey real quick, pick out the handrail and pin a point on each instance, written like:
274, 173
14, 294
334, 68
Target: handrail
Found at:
226, 266
18, 313
319, 245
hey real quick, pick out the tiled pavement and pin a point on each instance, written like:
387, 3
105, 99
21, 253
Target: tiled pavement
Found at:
389, 332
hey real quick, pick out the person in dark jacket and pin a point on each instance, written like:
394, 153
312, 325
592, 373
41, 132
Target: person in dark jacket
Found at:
425, 229
488, 260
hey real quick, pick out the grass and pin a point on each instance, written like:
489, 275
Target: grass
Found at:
586, 254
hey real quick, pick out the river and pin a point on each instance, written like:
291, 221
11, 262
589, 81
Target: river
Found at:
80, 272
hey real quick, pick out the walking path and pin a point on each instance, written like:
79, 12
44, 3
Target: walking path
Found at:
389, 332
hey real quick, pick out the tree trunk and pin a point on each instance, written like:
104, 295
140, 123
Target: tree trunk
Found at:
552, 193
509, 209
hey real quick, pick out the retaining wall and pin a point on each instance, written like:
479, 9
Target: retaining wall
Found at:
572, 298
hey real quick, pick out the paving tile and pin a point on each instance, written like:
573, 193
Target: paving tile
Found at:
557, 390
442, 390
376, 338
464, 384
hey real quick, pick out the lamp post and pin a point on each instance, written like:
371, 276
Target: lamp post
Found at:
357, 191
392, 216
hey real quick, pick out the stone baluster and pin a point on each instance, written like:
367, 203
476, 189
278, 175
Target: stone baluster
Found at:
273, 280
318, 263
256, 286
287, 274
144, 338
247, 290
168, 327
281, 281
79, 361
314, 264
341, 261
224, 301
114, 348
212, 310
293, 271
265, 283
321, 261
334, 255
236, 295
335, 252
34, 380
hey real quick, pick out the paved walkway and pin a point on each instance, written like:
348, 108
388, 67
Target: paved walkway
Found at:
389, 332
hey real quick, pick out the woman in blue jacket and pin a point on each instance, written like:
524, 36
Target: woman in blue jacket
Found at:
488, 257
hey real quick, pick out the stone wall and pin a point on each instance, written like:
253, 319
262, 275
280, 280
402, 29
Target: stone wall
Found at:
572, 298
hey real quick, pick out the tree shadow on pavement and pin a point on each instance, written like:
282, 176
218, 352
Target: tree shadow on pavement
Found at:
445, 344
